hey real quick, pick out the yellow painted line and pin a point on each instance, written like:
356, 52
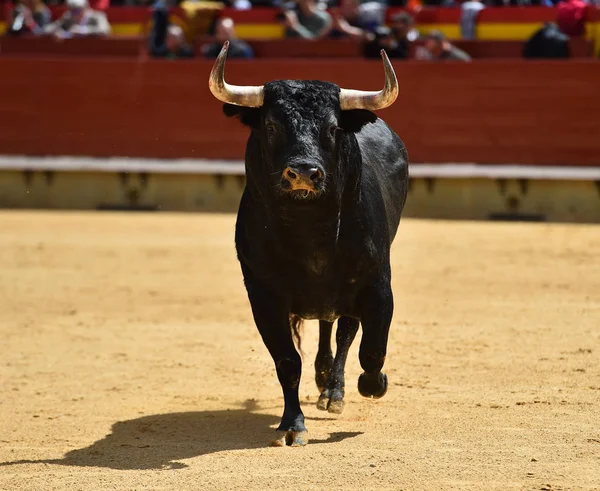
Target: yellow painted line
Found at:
276, 31
260, 31
451, 31
593, 33
513, 32
134, 29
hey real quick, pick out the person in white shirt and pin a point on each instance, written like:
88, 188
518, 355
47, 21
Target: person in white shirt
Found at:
79, 20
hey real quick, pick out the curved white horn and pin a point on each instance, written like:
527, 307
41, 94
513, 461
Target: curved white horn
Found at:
373, 101
240, 95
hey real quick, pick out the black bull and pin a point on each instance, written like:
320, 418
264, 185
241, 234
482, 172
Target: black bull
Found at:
324, 194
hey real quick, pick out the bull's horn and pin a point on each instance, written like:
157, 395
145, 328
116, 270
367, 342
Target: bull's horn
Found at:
240, 95
361, 99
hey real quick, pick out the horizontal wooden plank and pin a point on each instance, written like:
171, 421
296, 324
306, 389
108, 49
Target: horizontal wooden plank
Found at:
236, 167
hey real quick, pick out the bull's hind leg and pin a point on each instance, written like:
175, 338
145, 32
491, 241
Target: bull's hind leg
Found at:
332, 396
377, 306
324, 359
273, 322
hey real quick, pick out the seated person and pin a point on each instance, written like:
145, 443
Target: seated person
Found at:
395, 40
437, 47
383, 38
547, 42
29, 17
79, 20
308, 20
166, 41
402, 25
225, 31
355, 19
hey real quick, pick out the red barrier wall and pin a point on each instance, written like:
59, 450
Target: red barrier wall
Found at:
485, 112
93, 46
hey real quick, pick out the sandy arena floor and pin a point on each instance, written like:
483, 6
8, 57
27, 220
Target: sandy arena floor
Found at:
129, 360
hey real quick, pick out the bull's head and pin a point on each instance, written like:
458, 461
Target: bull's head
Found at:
300, 125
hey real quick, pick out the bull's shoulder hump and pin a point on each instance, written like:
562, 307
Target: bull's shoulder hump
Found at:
378, 141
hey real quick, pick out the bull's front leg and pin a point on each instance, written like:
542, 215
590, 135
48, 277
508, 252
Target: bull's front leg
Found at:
332, 395
272, 320
376, 306
324, 359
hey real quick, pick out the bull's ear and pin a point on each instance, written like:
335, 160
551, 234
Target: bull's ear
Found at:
250, 116
353, 120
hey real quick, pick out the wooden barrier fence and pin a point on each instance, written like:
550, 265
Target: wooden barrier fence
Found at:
485, 112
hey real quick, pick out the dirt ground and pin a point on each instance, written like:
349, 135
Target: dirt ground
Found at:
129, 360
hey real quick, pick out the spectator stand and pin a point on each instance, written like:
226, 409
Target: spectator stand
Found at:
124, 21
506, 23
493, 24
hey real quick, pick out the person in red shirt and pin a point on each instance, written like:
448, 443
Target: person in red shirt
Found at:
571, 17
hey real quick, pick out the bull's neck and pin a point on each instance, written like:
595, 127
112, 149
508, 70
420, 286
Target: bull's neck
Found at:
315, 218
315, 223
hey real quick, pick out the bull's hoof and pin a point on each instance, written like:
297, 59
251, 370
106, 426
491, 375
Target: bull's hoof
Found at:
290, 438
373, 386
332, 401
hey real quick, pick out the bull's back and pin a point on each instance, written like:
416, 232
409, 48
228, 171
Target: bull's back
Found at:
385, 167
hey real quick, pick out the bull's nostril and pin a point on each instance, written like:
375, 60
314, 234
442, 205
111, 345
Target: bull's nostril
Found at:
316, 176
290, 174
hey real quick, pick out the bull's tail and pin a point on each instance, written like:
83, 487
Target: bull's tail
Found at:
296, 325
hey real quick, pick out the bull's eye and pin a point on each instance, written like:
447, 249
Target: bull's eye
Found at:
328, 136
271, 128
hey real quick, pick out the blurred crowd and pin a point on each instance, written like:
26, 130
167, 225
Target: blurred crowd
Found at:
34, 17
362, 20
248, 4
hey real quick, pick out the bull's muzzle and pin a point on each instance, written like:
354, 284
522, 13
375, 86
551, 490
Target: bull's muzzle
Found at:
306, 177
